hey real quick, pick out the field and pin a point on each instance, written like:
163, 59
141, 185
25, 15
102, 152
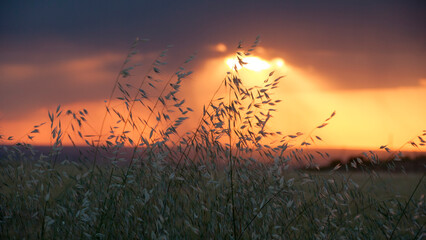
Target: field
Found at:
158, 201
230, 177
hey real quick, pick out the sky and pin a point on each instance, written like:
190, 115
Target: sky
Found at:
363, 59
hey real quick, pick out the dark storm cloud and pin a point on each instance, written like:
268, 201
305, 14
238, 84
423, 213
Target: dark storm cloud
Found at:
327, 22
355, 44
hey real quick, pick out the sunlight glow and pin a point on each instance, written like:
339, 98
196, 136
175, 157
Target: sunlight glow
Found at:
220, 47
279, 62
253, 63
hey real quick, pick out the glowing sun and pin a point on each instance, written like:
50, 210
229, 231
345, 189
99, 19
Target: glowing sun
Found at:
252, 63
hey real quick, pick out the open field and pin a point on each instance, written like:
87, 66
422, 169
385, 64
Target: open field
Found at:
39, 200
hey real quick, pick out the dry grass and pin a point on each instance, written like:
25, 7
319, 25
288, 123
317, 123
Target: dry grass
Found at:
206, 183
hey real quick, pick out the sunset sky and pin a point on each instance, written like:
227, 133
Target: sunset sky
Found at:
363, 59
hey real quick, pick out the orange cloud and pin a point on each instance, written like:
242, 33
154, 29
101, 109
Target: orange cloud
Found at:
365, 118
17, 72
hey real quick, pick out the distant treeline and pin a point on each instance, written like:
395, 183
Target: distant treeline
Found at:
355, 163
362, 163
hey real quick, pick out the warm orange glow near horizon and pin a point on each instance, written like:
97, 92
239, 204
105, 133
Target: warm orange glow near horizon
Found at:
365, 119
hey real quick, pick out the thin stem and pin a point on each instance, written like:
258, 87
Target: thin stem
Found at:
406, 205
231, 162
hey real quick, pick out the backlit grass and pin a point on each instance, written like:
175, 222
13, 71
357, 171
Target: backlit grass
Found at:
229, 177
